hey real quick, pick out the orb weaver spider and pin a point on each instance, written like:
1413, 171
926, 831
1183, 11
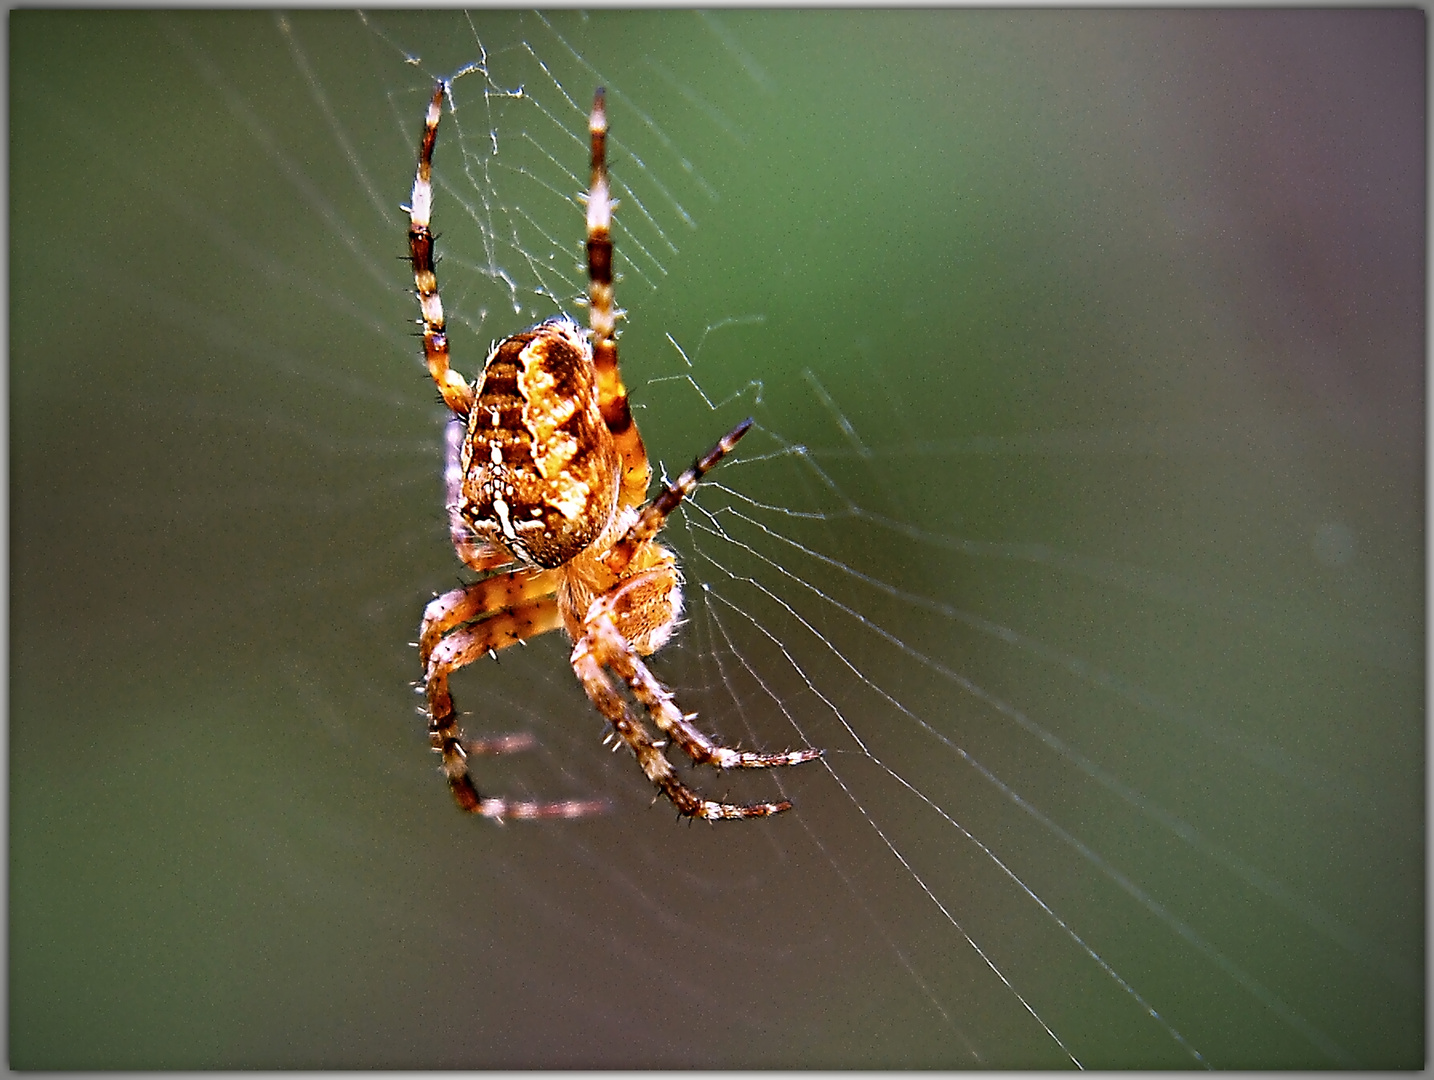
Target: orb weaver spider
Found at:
547, 481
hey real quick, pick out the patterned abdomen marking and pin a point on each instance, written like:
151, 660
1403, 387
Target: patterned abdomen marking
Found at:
539, 465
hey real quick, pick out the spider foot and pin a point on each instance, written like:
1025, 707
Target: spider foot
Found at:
446, 740
724, 757
704, 750
500, 810
717, 811
691, 805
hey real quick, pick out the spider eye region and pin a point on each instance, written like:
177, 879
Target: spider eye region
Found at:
540, 468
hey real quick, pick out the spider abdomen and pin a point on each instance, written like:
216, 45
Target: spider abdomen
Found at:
539, 465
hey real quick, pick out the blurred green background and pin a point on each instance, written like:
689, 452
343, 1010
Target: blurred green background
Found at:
1103, 333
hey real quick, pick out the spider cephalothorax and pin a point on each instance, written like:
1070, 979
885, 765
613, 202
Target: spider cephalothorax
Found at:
547, 484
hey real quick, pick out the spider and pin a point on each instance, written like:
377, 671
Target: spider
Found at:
546, 482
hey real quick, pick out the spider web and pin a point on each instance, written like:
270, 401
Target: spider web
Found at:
1090, 794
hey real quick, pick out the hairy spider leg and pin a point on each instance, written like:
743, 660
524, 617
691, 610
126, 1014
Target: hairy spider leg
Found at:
498, 593
457, 392
649, 755
457, 650
654, 515
601, 624
602, 318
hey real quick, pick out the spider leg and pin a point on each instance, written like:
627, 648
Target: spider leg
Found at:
658, 769
607, 613
602, 317
493, 745
602, 644
460, 648
654, 514
456, 391
497, 593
